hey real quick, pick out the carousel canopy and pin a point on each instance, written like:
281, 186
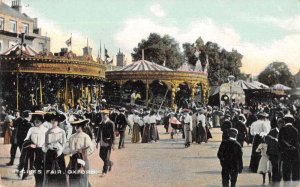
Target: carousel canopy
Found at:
16, 50
144, 65
246, 85
260, 85
280, 87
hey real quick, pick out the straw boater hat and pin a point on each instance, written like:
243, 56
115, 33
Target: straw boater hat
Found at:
289, 116
263, 114
105, 111
80, 122
186, 110
38, 114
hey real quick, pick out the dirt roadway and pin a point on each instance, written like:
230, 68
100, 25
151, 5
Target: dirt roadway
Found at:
166, 163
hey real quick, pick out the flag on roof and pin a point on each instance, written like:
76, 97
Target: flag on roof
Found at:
69, 42
106, 55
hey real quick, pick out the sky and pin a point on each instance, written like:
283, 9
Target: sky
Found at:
262, 31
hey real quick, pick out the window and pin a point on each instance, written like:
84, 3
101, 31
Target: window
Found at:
12, 26
1, 24
25, 28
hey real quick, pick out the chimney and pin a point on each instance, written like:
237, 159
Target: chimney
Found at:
35, 23
17, 5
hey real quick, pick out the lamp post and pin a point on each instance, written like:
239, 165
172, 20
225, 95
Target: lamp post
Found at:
230, 81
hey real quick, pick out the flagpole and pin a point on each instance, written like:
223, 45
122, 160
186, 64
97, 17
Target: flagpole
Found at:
105, 59
71, 42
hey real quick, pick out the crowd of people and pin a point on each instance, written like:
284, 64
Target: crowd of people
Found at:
272, 129
55, 144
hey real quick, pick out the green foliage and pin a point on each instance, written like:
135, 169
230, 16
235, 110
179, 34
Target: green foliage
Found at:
277, 72
222, 63
159, 49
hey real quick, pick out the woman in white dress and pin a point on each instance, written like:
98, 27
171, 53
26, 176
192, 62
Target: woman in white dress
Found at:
264, 165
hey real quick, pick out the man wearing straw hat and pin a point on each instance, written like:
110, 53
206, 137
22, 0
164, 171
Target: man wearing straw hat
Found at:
187, 126
106, 138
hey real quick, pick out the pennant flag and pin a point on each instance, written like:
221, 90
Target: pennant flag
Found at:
69, 42
106, 55
110, 62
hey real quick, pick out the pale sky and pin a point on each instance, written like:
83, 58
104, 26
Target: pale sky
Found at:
262, 30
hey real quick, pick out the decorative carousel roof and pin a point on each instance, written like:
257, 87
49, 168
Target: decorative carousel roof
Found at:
144, 65
16, 50
24, 59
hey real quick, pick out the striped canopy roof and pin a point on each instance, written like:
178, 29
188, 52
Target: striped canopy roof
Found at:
259, 84
246, 85
15, 50
144, 65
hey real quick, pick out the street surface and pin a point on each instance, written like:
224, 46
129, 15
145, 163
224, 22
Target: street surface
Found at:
166, 163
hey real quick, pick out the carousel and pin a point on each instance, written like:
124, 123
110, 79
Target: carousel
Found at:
30, 79
156, 85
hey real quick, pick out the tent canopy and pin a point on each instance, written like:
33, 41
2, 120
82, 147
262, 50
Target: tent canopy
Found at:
18, 48
144, 65
280, 87
260, 85
246, 85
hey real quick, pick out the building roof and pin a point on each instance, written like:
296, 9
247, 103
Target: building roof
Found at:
144, 65
7, 10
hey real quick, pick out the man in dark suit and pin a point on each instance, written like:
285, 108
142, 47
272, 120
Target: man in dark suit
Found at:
289, 148
273, 153
106, 138
226, 125
121, 123
230, 155
21, 135
16, 139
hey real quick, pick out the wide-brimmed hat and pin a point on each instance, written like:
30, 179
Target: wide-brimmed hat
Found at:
38, 114
80, 122
186, 110
56, 116
263, 114
105, 111
289, 116
122, 109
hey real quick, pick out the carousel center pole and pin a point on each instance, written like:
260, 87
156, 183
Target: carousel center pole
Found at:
17, 90
41, 92
66, 92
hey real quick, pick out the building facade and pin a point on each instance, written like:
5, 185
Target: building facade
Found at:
13, 22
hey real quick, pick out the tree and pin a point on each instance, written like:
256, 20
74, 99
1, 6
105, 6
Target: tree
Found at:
277, 72
297, 79
159, 50
221, 62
